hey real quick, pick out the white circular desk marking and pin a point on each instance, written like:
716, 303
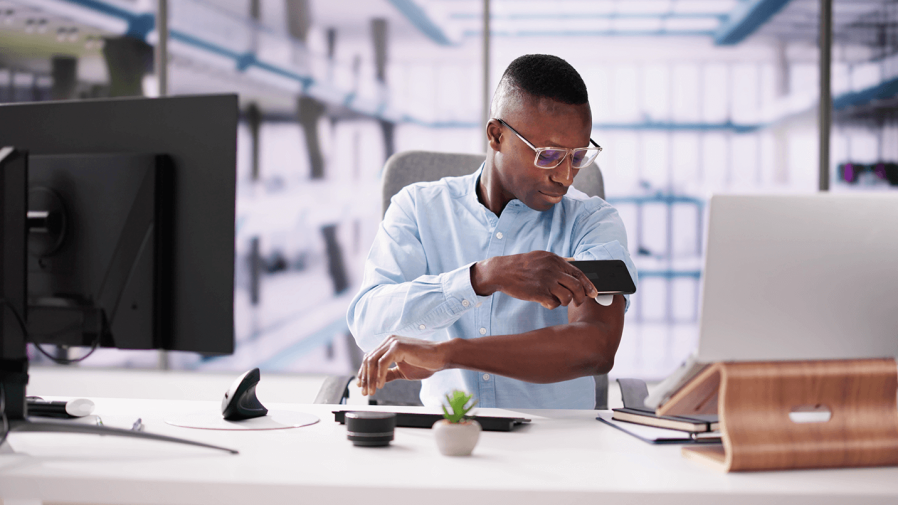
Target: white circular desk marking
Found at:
275, 420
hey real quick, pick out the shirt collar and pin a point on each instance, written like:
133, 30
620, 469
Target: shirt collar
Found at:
472, 194
475, 181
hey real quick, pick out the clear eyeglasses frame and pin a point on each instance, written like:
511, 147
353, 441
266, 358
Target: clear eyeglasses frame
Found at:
550, 157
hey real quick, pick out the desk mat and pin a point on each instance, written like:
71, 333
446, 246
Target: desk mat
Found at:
275, 420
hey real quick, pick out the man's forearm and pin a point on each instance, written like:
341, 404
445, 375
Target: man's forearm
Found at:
584, 346
414, 308
377, 313
552, 354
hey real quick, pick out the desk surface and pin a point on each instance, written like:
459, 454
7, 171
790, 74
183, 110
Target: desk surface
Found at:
563, 456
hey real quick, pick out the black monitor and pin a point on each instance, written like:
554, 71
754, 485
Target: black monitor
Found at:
117, 226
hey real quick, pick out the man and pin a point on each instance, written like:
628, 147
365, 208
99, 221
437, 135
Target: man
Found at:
467, 285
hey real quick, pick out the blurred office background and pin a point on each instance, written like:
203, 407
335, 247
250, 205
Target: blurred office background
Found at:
689, 98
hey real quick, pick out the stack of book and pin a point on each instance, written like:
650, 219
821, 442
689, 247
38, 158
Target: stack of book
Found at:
700, 428
690, 429
694, 424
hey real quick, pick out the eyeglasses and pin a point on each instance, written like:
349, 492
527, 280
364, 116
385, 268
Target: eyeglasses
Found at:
551, 157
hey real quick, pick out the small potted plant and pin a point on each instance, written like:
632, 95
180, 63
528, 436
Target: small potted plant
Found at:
456, 434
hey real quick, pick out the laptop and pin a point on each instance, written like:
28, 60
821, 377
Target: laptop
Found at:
796, 277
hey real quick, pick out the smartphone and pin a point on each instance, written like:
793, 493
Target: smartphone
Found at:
608, 276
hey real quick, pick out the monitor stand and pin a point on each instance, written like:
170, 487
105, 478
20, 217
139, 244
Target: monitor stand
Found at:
51, 426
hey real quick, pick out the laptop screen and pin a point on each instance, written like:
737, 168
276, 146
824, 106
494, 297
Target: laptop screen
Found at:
794, 277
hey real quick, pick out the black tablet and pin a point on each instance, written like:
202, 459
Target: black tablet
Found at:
420, 420
608, 276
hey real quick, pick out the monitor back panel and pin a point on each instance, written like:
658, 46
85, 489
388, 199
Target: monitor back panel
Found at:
111, 253
800, 277
199, 134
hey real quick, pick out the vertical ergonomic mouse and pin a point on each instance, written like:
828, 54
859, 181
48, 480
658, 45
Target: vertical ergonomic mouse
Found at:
240, 401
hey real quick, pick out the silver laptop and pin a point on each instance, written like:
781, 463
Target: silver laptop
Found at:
796, 278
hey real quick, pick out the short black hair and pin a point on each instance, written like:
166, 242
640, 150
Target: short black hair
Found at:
546, 76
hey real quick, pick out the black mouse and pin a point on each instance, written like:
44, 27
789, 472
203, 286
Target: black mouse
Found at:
240, 401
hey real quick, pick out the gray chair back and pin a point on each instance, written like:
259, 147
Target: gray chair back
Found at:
409, 167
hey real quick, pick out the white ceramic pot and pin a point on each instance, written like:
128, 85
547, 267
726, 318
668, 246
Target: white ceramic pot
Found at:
456, 439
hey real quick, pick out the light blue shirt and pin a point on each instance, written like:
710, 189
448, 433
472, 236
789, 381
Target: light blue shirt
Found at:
417, 280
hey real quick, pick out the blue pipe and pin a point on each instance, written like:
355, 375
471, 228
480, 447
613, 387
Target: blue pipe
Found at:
746, 19
670, 274
593, 33
665, 198
596, 15
421, 21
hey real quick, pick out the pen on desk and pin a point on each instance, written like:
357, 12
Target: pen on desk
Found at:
79, 407
138, 425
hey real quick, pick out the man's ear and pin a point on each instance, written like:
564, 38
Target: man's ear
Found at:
494, 134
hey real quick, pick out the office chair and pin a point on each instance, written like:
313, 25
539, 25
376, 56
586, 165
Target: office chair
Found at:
401, 170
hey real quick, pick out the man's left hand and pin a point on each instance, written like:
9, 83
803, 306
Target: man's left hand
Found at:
415, 359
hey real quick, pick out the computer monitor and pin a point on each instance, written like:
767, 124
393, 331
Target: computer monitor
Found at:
117, 218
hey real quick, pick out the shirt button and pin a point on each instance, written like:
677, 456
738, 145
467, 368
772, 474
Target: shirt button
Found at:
499, 235
465, 303
486, 376
421, 327
483, 331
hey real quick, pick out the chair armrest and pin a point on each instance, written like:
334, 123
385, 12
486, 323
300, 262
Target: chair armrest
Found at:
601, 392
335, 389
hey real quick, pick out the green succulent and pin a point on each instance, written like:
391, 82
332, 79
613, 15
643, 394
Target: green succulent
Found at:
458, 402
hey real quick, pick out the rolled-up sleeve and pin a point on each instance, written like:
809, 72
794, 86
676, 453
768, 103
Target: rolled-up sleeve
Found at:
601, 235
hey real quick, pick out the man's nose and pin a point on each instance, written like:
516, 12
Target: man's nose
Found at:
564, 173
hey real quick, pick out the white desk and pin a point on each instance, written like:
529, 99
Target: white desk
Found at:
563, 457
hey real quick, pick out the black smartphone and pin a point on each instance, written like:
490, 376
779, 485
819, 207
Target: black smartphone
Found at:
608, 276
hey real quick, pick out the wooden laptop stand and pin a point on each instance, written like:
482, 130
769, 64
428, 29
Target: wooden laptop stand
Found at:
757, 402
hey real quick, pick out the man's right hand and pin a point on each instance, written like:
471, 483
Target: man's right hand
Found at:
537, 276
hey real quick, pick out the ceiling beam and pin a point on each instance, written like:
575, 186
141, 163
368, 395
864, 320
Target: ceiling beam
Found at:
746, 19
591, 15
419, 18
593, 33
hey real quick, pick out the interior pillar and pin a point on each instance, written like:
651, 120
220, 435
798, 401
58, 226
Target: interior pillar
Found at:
255, 13
485, 60
128, 60
780, 136
309, 111
161, 50
299, 18
254, 122
379, 28
331, 52
826, 99
64, 71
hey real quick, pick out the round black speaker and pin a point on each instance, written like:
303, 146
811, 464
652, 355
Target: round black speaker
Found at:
370, 429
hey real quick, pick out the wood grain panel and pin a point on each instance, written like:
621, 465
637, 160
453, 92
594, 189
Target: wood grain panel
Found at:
754, 401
